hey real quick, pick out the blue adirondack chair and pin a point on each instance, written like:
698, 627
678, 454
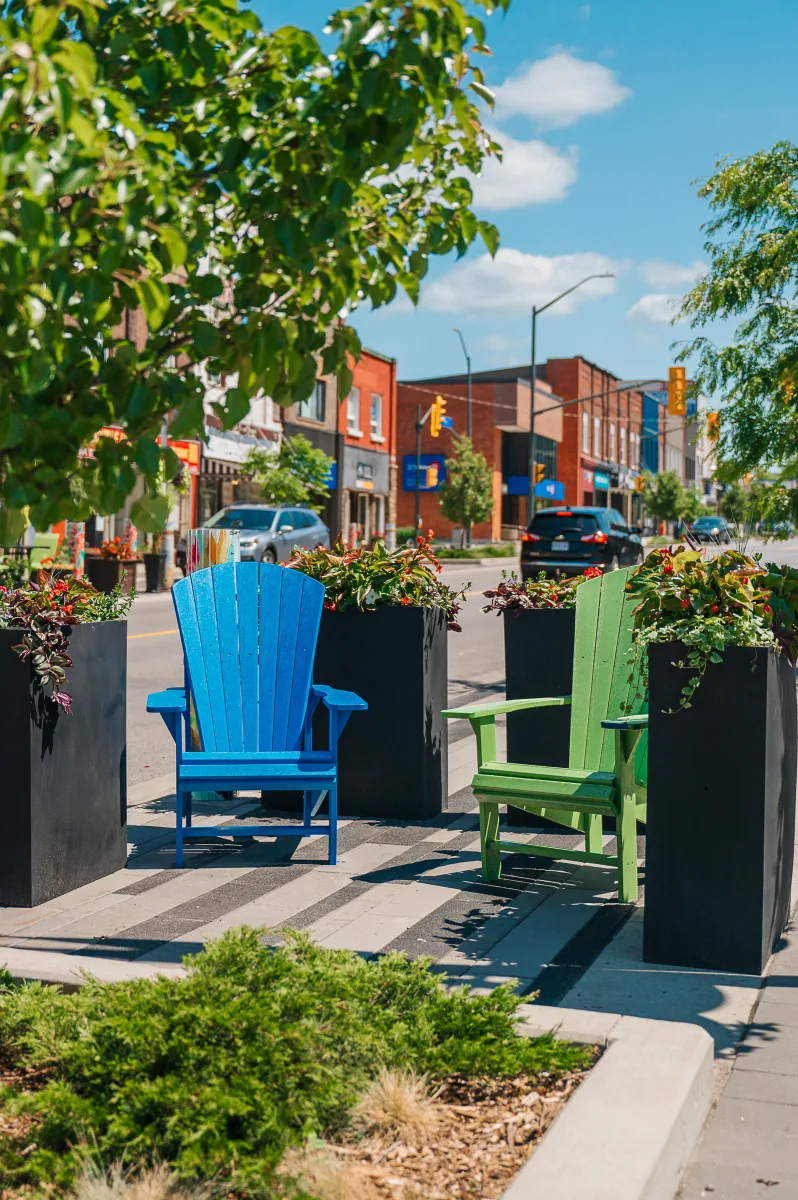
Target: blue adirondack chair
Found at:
249, 635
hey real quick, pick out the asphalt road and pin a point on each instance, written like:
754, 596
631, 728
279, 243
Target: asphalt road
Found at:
155, 662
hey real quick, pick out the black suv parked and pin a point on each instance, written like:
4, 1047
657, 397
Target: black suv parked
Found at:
568, 540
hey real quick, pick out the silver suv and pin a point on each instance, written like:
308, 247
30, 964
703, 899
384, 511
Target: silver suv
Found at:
269, 533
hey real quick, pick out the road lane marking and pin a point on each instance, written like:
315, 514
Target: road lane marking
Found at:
157, 633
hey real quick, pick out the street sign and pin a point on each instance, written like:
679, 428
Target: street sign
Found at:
447, 423
550, 489
433, 472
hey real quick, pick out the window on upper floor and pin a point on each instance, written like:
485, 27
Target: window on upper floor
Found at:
613, 447
586, 433
623, 445
312, 409
376, 415
353, 412
596, 437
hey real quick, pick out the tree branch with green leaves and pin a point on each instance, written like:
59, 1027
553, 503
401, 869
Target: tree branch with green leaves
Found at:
240, 186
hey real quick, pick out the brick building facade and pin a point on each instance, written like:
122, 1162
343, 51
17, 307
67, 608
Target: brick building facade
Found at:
500, 431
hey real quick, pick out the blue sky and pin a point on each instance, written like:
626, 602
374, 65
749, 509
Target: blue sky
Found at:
613, 110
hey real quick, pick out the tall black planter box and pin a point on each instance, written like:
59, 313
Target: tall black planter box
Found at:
63, 799
154, 569
393, 758
538, 661
721, 810
105, 573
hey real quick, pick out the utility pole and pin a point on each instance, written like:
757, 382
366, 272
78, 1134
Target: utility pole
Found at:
419, 427
535, 314
468, 407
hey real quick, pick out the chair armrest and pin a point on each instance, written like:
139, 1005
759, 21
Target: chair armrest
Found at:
338, 701
638, 722
492, 710
173, 700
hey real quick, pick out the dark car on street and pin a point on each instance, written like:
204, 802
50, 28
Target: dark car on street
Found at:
269, 532
711, 529
566, 541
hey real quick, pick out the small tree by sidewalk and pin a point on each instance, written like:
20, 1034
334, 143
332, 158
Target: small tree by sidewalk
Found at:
467, 493
297, 473
663, 496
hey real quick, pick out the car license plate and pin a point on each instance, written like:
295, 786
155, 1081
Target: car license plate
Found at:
561, 545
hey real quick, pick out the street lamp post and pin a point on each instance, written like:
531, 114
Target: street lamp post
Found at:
468, 407
535, 314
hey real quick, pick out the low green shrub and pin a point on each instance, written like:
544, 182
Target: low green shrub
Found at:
218, 1073
491, 550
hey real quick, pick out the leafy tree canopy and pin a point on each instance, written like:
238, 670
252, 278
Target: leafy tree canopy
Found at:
297, 473
466, 496
238, 185
752, 244
664, 496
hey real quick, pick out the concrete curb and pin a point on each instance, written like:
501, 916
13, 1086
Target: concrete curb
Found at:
630, 1128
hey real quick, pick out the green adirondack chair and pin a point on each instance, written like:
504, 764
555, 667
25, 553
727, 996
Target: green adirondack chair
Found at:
606, 775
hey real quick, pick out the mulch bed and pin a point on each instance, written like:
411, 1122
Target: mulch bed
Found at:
486, 1131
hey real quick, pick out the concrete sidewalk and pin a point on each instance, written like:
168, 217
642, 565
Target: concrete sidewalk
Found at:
750, 1143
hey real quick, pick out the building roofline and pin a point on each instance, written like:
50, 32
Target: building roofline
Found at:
378, 354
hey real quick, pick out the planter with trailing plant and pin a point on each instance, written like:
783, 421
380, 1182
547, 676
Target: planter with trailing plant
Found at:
539, 620
63, 661
719, 636
383, 635
111, 567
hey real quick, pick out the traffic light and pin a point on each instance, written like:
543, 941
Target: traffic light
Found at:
437, 418
432, 474
640, 483
713, 426
677, 391
539, 472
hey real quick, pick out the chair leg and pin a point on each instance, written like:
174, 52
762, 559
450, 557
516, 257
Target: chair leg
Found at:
307, 808
594, 840
179, 830
489, 832
627, 850
332, 801
187, 798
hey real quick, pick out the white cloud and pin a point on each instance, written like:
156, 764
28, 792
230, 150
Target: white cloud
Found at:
495, 341
657, 308
528, 173
658, 273
558, 90
584, 12
513, 281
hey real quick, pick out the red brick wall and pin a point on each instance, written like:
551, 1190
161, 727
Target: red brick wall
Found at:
486, 438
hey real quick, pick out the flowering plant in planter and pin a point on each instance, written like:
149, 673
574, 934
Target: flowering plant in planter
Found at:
708, 604
116, 549
518, 595
45, 611
366, 579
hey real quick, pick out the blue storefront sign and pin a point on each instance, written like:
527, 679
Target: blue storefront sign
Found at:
550, 489
331, 480
517, 485
433, 472
601, 482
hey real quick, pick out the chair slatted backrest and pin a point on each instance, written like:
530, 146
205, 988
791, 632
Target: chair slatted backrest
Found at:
602, 682
249, 634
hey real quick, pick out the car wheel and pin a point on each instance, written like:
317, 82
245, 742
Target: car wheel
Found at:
613, 564
268, 556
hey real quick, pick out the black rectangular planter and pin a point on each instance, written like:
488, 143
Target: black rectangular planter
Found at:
721, 810
64, 796
393, 758
538, 661
105, 573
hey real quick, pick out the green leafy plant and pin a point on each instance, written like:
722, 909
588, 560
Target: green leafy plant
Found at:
46, 611
254, 1051
518, 595
667, 499
237, 186
466, 495
367, 579
707, 604
297, 473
